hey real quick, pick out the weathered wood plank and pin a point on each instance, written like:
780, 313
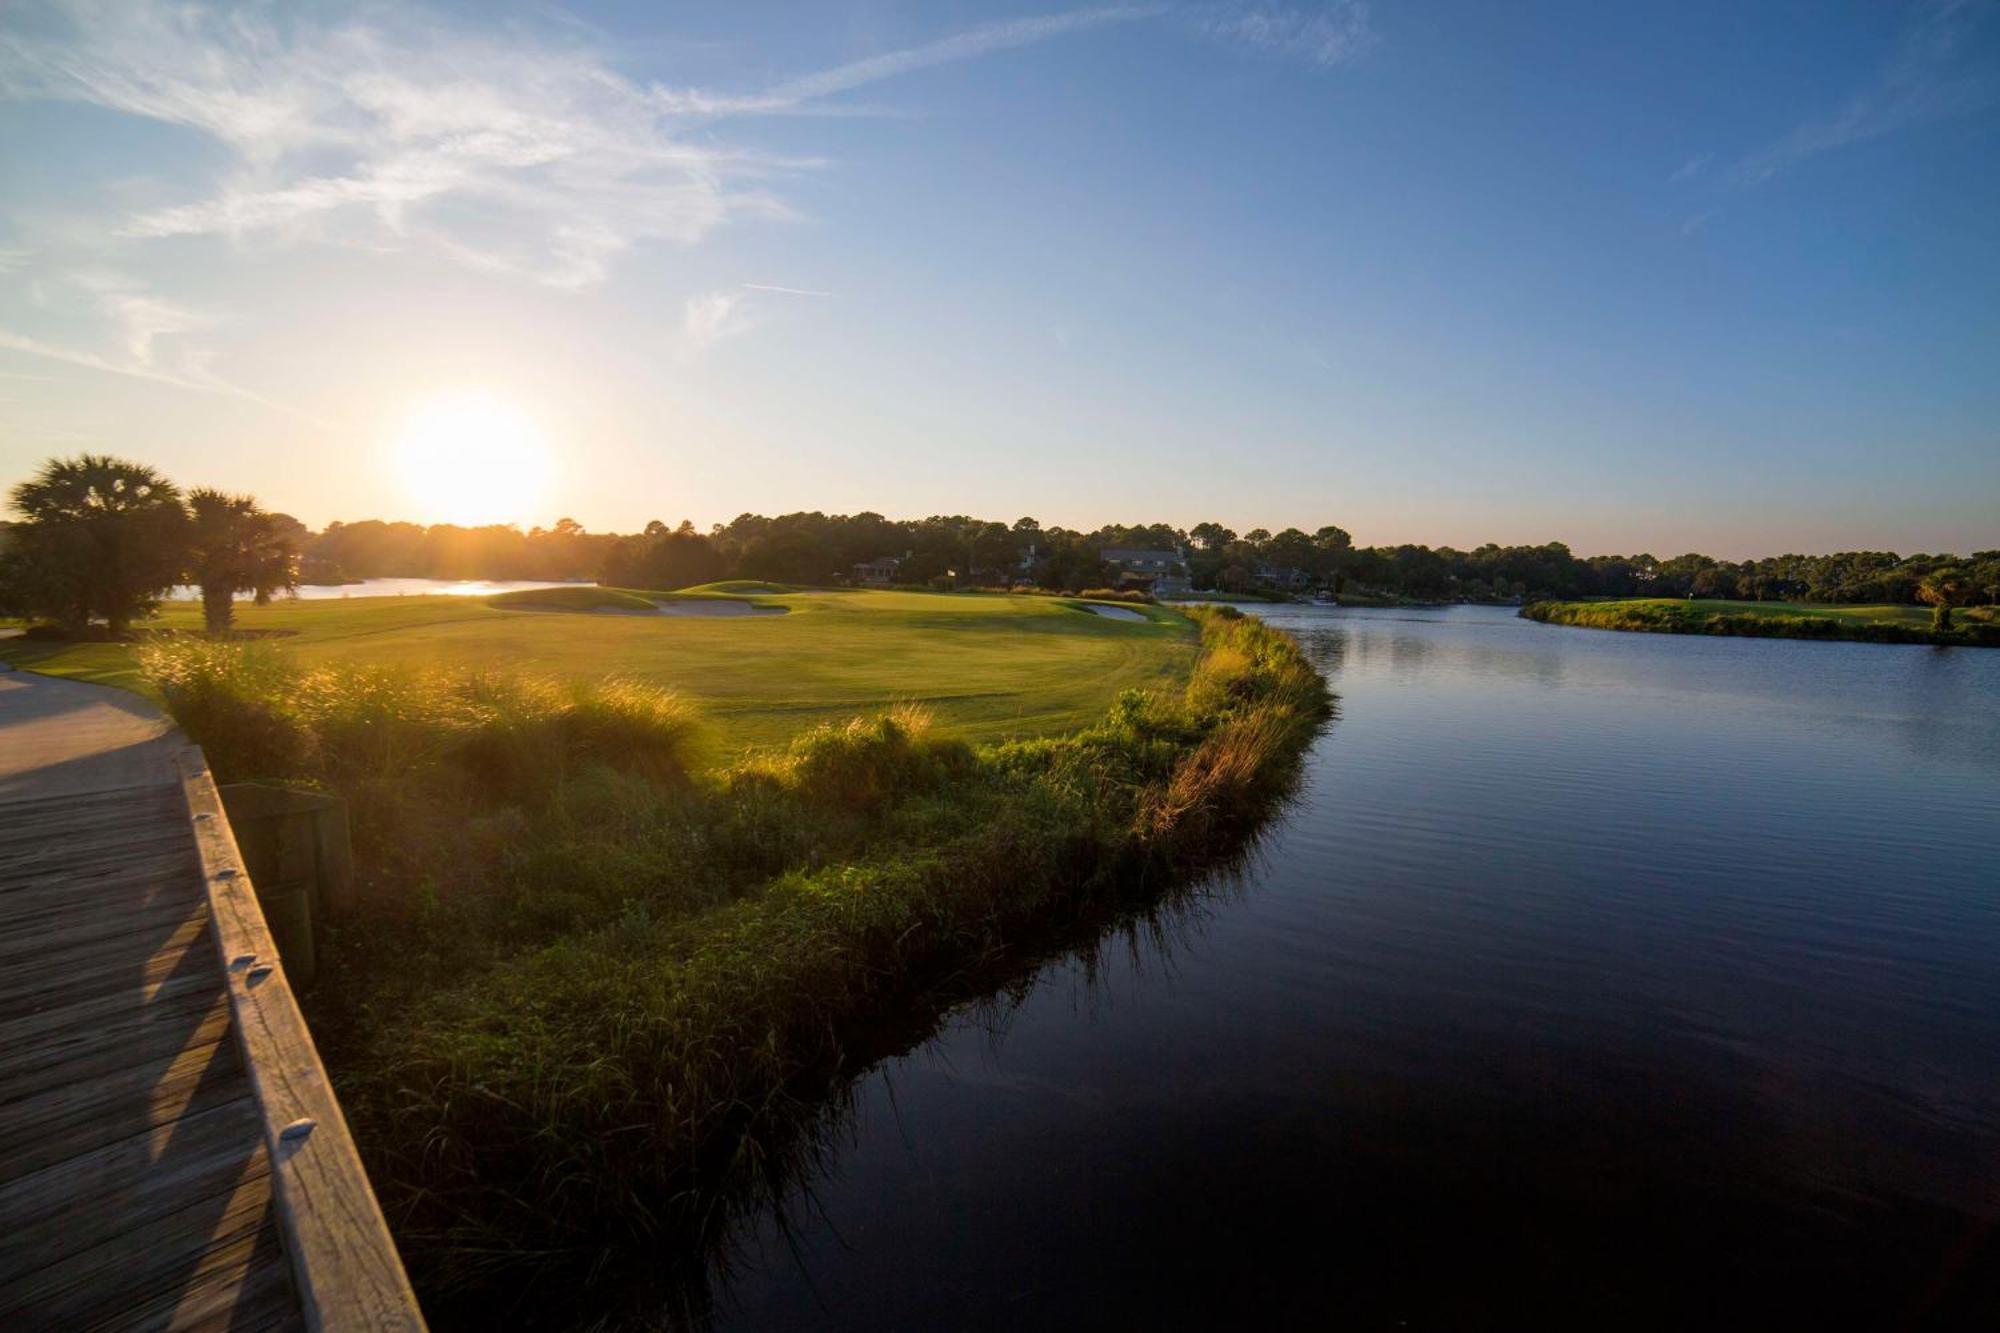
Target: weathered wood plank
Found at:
82, 857
21, 910
132, 926
108, 967
239, 1284
146, 1257
25, 821
39, 1057
344, 1264
130, 1182
70, 1119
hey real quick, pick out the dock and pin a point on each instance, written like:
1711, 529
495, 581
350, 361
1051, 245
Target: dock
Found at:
171, 1152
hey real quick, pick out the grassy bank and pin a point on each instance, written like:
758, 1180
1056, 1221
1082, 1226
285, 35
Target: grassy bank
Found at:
599, 981
986, 668
1974, 626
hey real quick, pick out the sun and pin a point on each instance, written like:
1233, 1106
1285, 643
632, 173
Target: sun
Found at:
470, 459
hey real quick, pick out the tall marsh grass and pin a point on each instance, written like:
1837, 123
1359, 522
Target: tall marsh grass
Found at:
595, 980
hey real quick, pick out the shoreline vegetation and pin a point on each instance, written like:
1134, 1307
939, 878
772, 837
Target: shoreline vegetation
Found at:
599, 980
1971, 627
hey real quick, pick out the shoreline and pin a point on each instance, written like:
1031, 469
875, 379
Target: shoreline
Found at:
1783, 620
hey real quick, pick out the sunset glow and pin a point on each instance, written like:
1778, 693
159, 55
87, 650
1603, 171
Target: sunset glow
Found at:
472, 459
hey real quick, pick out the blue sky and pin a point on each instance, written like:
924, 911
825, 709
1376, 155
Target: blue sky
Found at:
1721, 277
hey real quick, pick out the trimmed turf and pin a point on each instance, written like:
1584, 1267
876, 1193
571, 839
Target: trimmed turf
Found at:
590, 598
987, 666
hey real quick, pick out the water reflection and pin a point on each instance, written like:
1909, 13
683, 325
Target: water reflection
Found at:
1627, 980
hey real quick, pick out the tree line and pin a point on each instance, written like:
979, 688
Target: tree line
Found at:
104, 539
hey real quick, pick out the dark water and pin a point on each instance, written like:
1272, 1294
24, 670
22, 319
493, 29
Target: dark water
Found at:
1597, 979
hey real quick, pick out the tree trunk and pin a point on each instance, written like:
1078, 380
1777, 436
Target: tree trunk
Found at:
218, 607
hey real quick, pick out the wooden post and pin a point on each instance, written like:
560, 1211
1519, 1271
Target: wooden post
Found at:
295, 846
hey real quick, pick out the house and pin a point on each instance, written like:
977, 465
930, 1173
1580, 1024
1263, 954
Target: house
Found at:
1289, 578
1165, 572
879, 572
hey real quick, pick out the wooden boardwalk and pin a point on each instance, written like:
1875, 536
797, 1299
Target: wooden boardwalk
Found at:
152, 1062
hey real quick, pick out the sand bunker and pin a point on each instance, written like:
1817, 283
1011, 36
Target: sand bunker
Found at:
1115, 612
717, 607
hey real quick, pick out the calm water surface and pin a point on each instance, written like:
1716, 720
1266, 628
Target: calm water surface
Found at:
1597, 978
318, 592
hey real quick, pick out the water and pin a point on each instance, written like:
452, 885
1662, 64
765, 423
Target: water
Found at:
1608, 979
313, 592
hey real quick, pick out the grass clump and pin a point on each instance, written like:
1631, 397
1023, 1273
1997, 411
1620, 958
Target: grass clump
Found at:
596, 986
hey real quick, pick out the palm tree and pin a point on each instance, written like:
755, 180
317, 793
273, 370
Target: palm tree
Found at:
103, 538
234, 546
1944, 588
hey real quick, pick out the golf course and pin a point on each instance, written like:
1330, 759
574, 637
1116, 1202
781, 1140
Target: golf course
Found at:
986, 667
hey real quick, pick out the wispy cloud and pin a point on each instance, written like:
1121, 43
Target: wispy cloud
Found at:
1326, 35
783, 291
138, 316
530, 156
1925, 80
1691, 168
508, 151
987, 39
710, 317
11, 341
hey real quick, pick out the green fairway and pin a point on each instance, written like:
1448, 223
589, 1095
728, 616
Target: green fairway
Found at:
1917, 617
1791, 620
987, 666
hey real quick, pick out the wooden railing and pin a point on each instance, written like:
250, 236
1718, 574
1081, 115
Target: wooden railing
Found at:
343, 1261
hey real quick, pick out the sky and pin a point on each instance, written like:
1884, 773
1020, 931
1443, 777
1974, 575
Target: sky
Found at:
1661, 277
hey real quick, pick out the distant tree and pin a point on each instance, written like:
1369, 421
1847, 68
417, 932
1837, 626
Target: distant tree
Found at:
1942, 589
1211, 536
233, 546
1713, 581
103, 537
1984, 572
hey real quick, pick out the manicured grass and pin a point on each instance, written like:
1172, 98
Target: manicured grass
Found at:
1789, 620
591, 598
599, 989
98, 663
985, 667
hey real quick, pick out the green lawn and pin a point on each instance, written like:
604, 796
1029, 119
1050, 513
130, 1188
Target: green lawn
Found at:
988, 666
1917, 617
1804, 620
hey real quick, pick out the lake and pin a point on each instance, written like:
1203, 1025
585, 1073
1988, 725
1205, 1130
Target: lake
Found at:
1610, 979
313, 592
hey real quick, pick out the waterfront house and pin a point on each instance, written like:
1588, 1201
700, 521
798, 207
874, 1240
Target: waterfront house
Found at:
1164, 572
